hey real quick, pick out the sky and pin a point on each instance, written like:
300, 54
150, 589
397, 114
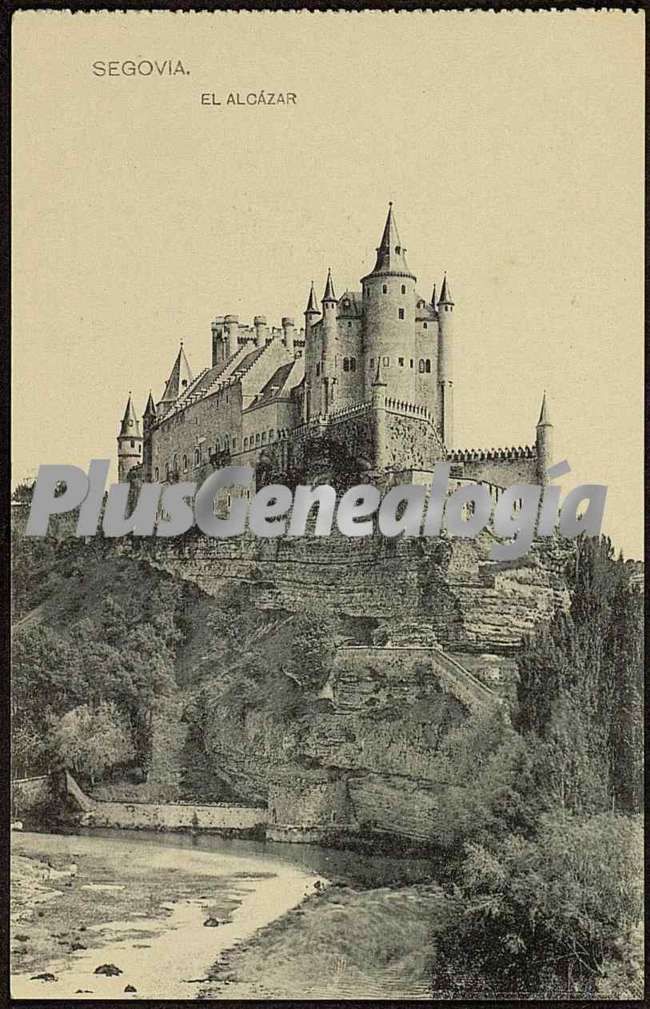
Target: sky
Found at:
510, 143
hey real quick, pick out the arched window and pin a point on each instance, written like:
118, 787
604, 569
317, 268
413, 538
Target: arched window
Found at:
263, 437
384, 288
245, 443
425, 325
175, 463
317, 370
132, 444
166, 471
346, 303
197, 456
400, 313
156, 474
421, 366
257, 438
372, 363
346, 364
353, 364
271, 434
403, 288
386, 362
184, 464
427, 366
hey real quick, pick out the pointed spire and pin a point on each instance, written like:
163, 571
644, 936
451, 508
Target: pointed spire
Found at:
543, 414
329, 287
312, 304
180, 378
130, 425
390, 252
433, 297
150, 408
445, 293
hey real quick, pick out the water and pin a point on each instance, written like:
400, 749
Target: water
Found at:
169, 955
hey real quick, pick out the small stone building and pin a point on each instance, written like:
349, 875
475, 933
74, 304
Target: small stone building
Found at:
309, 798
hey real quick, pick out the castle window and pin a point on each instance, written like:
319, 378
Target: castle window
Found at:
346, 303
386, 362
132, 444
353, 364
403, 288
197, 456
400, 313
234, 444
346, 364
401, 362
384, 288
156, 474
411, 362
185, 464
263, 437
372, 362
317, 370
271, 435
245, 443
427, 366
257, 439
425, 326
349, 325
421, 366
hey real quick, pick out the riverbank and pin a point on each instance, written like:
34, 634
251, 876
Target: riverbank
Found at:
342, 943
79, 902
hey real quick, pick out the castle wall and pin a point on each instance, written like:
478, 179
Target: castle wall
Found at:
299, 802
201, 426
501, 472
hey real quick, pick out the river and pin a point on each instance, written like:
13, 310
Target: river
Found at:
166, 951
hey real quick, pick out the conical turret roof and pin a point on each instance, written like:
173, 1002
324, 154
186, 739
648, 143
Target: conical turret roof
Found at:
180, 378
390, 252
130, 426
312, 304
543, 413
150, 408
433, 296
329, 288
445, 293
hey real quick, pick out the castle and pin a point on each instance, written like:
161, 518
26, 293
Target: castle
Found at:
371, 372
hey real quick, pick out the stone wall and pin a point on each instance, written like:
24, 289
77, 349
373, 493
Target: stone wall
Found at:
163, 815
304, 802
29, 794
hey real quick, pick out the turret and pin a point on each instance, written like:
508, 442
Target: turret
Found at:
148, 422
544, 442
129, 443
329, 326
288, 334
178, 381
231, 335
218, 341
261, 330
445, 364
389, 316
312, 354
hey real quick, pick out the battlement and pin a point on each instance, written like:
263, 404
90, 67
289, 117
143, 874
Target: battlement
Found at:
492, 454
407, 409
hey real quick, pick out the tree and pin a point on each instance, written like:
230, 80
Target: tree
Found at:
92, 740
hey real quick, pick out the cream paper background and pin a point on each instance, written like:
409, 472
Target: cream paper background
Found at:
511, 143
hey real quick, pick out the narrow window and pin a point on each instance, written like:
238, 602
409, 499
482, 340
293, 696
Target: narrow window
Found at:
245, 443
372, 362
421, 366
425, 325
271, 435
427, 367
346, 364
185, 464
132, 444
385, 288
234, 444
403, 288
197, 456
353, 364
257, 439
263, 437
349, 325
400, 313
401, 362
386, 362
411, 362
156, 474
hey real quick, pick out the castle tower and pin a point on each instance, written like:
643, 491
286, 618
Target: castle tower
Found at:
261, 330
445, 364
312, 354
178, 381
218, 340
148, 421
288, 334
129, 443
379, 424
389, 316
329, 330
544, 442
